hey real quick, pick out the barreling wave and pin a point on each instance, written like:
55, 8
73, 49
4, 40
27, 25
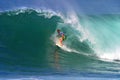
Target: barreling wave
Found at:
25, 36
27, 41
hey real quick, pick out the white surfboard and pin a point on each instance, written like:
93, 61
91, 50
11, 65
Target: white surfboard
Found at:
58, 44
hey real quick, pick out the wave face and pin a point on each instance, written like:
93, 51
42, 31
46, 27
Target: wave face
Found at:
27, 42
25, 38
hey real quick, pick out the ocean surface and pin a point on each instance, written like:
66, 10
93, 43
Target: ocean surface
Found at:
28, 50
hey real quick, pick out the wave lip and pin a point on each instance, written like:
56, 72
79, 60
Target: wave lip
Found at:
48, 13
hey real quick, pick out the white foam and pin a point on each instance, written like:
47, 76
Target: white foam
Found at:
73, 20
25, 79
64, 47
75, 24
48, 13
110, 55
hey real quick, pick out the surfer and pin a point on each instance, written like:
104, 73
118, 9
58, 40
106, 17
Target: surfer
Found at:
61, 36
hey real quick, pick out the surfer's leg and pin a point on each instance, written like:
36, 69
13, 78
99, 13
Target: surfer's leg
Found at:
61, 40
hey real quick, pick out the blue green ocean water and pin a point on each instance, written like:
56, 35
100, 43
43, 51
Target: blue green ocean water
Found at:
28, 50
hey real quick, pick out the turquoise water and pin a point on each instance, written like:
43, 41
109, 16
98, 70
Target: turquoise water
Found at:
27, 44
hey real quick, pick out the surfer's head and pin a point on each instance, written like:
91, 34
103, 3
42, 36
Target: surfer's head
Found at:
58, 30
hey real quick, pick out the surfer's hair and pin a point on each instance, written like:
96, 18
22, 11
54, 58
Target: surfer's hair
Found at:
58, 30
